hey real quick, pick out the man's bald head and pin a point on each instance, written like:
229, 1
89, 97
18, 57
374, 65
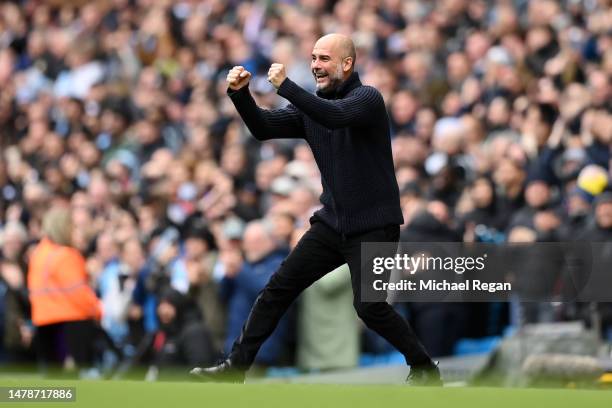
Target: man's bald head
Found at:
333, 61
341, 43
258, 240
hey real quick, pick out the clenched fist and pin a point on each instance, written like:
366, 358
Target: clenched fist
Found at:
277, 74
237, 77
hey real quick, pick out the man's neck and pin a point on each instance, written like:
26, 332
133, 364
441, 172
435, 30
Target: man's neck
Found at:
332, 92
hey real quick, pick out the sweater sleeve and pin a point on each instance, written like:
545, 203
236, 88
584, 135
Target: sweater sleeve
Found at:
357, 109
265, 124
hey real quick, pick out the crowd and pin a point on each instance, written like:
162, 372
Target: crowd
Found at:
501, 117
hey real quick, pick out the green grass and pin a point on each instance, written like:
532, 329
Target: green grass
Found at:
119, 394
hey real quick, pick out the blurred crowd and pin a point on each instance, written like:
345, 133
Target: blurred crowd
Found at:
501, 117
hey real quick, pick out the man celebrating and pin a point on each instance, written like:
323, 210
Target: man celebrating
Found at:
347, 128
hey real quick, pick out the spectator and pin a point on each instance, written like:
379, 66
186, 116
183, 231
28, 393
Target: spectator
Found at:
133, 266
328, 341
262, 258
192, 274
483, 219
64, 307
16, 328
114, 287
600, 228
438, 325
182, 338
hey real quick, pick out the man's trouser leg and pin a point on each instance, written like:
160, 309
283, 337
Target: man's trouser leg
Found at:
315, 255
380, 316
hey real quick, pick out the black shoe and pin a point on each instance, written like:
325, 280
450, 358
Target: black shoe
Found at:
223, 372
424, 376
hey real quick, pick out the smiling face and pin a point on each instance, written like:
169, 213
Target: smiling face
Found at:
332, 61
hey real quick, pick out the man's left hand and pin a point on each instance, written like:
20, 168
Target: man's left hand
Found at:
277, 74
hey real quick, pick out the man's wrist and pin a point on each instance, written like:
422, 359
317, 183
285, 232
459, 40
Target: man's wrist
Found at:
281, 84
284, 87
231, 91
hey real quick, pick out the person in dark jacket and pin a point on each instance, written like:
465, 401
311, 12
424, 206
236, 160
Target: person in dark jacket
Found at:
438, 325
15, 329
484, 218
597, 230
182, 338
347, 128
600, 228
539, 212
430, 225
509, 177
262, 259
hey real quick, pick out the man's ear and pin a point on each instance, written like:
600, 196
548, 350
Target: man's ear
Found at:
347, 64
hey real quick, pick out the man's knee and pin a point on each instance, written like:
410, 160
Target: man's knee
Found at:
280, 287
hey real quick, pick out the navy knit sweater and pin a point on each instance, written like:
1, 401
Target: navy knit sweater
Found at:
348, 132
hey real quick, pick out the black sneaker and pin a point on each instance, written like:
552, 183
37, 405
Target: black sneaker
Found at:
425, 376
223, 372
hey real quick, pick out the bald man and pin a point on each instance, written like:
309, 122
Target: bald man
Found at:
347, 128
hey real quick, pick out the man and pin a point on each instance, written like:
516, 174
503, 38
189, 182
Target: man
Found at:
347, 128
14, 303
262, 258
112, 288
438, 325
183, 337
600, 228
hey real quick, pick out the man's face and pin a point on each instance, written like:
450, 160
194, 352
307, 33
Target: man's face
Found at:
133, 255
603, 215
326, 66
166, 312
256, 243
195, 248
537, 194
482, 194
12, 245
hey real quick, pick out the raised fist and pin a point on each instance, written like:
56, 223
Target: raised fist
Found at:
238, 77
277, 74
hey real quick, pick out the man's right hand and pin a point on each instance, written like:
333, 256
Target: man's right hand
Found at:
238, 77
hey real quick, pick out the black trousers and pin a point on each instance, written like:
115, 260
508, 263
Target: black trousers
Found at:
320, 251
77, 338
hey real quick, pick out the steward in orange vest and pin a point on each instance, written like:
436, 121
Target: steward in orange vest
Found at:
57, 279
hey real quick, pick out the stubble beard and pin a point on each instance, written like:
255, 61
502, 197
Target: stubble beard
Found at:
334, 81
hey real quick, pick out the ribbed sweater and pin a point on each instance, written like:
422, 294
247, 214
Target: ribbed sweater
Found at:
348, 132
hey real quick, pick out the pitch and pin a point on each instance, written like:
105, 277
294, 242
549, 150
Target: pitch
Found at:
93, 394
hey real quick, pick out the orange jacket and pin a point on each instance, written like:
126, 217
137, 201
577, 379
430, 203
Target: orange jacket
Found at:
58, 287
